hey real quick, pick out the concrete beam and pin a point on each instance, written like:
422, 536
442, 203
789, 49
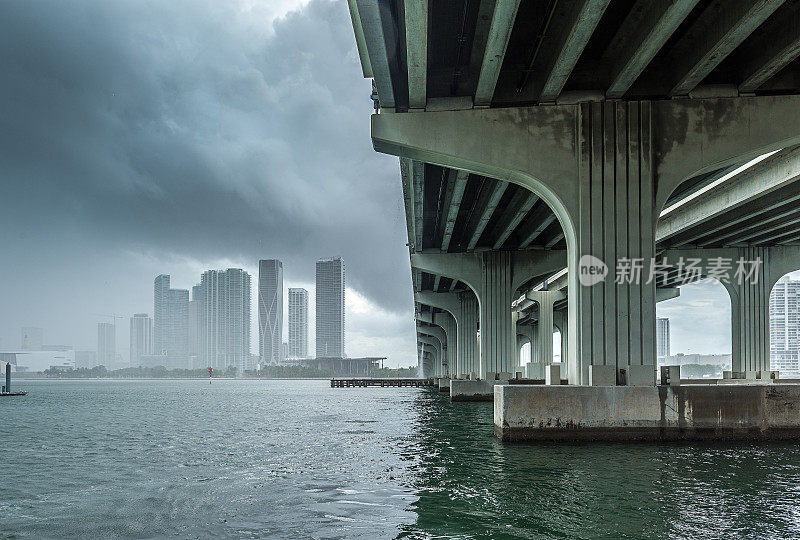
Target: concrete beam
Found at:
515, 212
361, 43
418, 177
581, 24
778, 47
470, 267
777, 171
496, 193
416, 13
718, 31
667, 293
543, 217
757, 224
370, 13
409, 202
497, 41
640, 37
459, 185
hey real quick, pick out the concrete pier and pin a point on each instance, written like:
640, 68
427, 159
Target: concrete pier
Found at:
444, 384
647, 413
466, 390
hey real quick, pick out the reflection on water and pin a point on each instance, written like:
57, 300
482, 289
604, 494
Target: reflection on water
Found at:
251, 459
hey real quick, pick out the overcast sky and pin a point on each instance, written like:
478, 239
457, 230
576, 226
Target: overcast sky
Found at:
146, 137
149, 137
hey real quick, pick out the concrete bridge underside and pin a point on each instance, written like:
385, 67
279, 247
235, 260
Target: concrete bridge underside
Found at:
534, 134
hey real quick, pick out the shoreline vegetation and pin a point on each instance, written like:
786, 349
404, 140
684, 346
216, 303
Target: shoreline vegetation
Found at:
160, 372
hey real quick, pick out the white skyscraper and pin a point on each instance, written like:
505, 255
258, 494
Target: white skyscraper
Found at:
270, 310
662, 339
160, 313
106, 344
330, 308
141, 337
298, 323
784, 325
224, 319
170, 323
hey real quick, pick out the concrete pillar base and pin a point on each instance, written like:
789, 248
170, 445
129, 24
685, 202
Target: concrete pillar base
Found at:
623, 413
444, 385
640, 375
474, 390
535, 370
602, 375
552, 374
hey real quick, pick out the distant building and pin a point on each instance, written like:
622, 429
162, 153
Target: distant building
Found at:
106, 344
330, 308
85, 359
662, 338
784, 325
178, 324
270, 310
39, 360
161, 287
298, 323
170, 322
141, 337
32, 338
224, 319
195, 306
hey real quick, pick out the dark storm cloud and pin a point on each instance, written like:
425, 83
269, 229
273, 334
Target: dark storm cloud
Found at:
195, 129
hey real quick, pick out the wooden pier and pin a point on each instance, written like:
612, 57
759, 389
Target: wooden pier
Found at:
383, 383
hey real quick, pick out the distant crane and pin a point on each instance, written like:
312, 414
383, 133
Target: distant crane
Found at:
113, 317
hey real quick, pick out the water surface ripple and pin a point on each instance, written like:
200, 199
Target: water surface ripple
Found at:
297, 459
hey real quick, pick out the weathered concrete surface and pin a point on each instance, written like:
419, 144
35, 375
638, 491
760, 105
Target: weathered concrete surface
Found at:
473, 390
444, 385
629, 413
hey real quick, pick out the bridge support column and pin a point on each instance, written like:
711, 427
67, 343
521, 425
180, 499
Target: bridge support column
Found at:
468, 351
615, 321
748, 274
446, 321
436, 348
522, 339
750, 316
545, 301
560, 321
463, 306
494, 276
496, 324
439, 336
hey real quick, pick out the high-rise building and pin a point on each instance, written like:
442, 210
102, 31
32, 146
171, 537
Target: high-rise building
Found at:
32, 338
298, 323
784, 325
662, 339
195, 306
160, 313
106, 344
141, 337
270, 310
178, 327
224, 318
170, 323
330, 308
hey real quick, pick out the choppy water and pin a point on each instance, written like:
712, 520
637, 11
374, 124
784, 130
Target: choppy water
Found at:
297, 459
